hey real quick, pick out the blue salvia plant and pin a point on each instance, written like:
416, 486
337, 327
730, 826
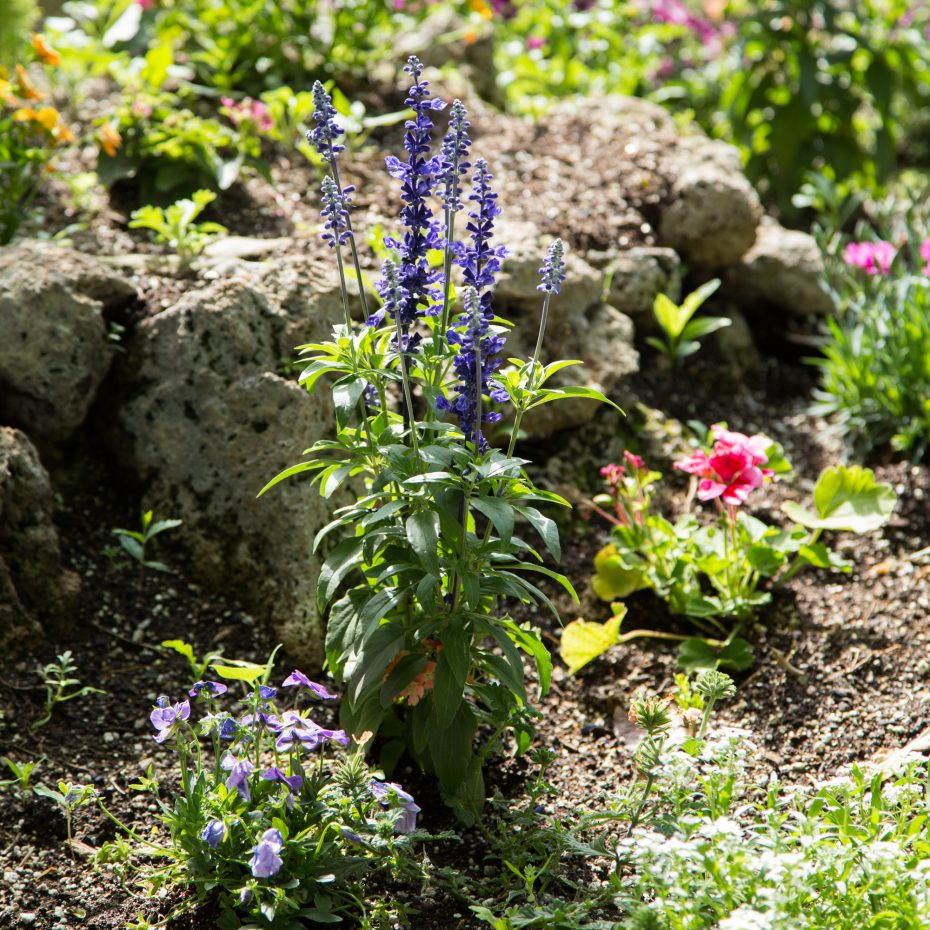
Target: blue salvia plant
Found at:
417, 628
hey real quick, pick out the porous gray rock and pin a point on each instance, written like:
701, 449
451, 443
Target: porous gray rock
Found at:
206, 423
783, 270
37, 594
580, 326
53, 354
713, 211
635, 276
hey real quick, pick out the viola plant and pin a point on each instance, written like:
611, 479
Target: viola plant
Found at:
414, 586
714, 572
265, 819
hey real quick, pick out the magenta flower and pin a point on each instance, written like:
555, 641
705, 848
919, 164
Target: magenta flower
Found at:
265, 859
534, 42
732, 469
635, 462
299, 678
166, 718
925, 255
872, 257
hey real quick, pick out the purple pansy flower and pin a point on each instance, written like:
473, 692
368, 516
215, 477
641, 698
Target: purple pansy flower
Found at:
299, 678
293, 782
388, 791
239, 771
165, 718
209, 687
297, 729
213, 833
229, 728
265, 859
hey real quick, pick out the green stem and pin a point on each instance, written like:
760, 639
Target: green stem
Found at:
408, 395
358, 268
797, 564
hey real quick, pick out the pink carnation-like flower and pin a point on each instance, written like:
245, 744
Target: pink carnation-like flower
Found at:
925, 255
732, 470
634, 461
871, 257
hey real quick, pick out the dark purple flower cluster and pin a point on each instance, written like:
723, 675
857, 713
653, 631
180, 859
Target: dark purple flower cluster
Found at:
504, 8
453, 158
476, 360
417, 177
335, 212
327, 131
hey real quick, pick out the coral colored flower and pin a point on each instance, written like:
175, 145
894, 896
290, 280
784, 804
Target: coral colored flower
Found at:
925, 255
425, 681
44, 52
110, 139
26, 88
872, 257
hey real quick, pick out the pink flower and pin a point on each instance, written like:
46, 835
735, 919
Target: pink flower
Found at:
634, 461
534, 42
732, 469
925, 255
613, 474
872, 257
146, 4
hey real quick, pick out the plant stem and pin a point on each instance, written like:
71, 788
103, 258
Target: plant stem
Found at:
358, 268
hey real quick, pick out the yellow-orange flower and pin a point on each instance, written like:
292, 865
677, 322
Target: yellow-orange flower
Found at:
63, 135
6, 92
44, 52
26, 88
47, 117
481, 8
110, 139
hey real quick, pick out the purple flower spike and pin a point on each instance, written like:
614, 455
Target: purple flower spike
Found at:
208, 687
553, 269
265, 859
299, 678
387, 792
323, 138
453, 158
166, 719
239, 771
293, 782
213, 833
336, 213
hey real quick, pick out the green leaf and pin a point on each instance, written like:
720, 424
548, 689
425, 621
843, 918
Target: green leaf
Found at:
452, 664
546, 528
338, 564
346, 395
247, 671
531, 643
696, 654
423, 535
765, 559
585, 640
846, 498
132, 546
820, 556
499, 513
703, 326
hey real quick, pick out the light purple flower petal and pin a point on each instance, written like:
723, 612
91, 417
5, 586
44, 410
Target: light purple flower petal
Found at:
265, 859
213, 833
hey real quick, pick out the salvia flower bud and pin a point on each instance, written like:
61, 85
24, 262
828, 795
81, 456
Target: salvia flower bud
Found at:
336, 213
323, 137
553, 269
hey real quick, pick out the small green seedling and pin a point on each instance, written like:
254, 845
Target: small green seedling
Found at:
198, 666
57, 680
174, 226
68, 797
22, 775
134, 542
681, 332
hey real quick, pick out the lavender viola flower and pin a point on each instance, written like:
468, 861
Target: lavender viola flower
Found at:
475, 362
417, 176
387, 792
292, 782
553, 269
299, 678
213, 833
335, 212
297, 729
166, 718
229, 728
323, 137
267, 692
210, 688
239, 771
265, 859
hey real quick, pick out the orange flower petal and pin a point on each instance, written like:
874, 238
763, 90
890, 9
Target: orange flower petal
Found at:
110, 139
26, 87
44, 52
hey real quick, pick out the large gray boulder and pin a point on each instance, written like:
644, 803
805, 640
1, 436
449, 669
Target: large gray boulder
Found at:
783, 270
37, 594
207, 422
54, 353
712, 213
